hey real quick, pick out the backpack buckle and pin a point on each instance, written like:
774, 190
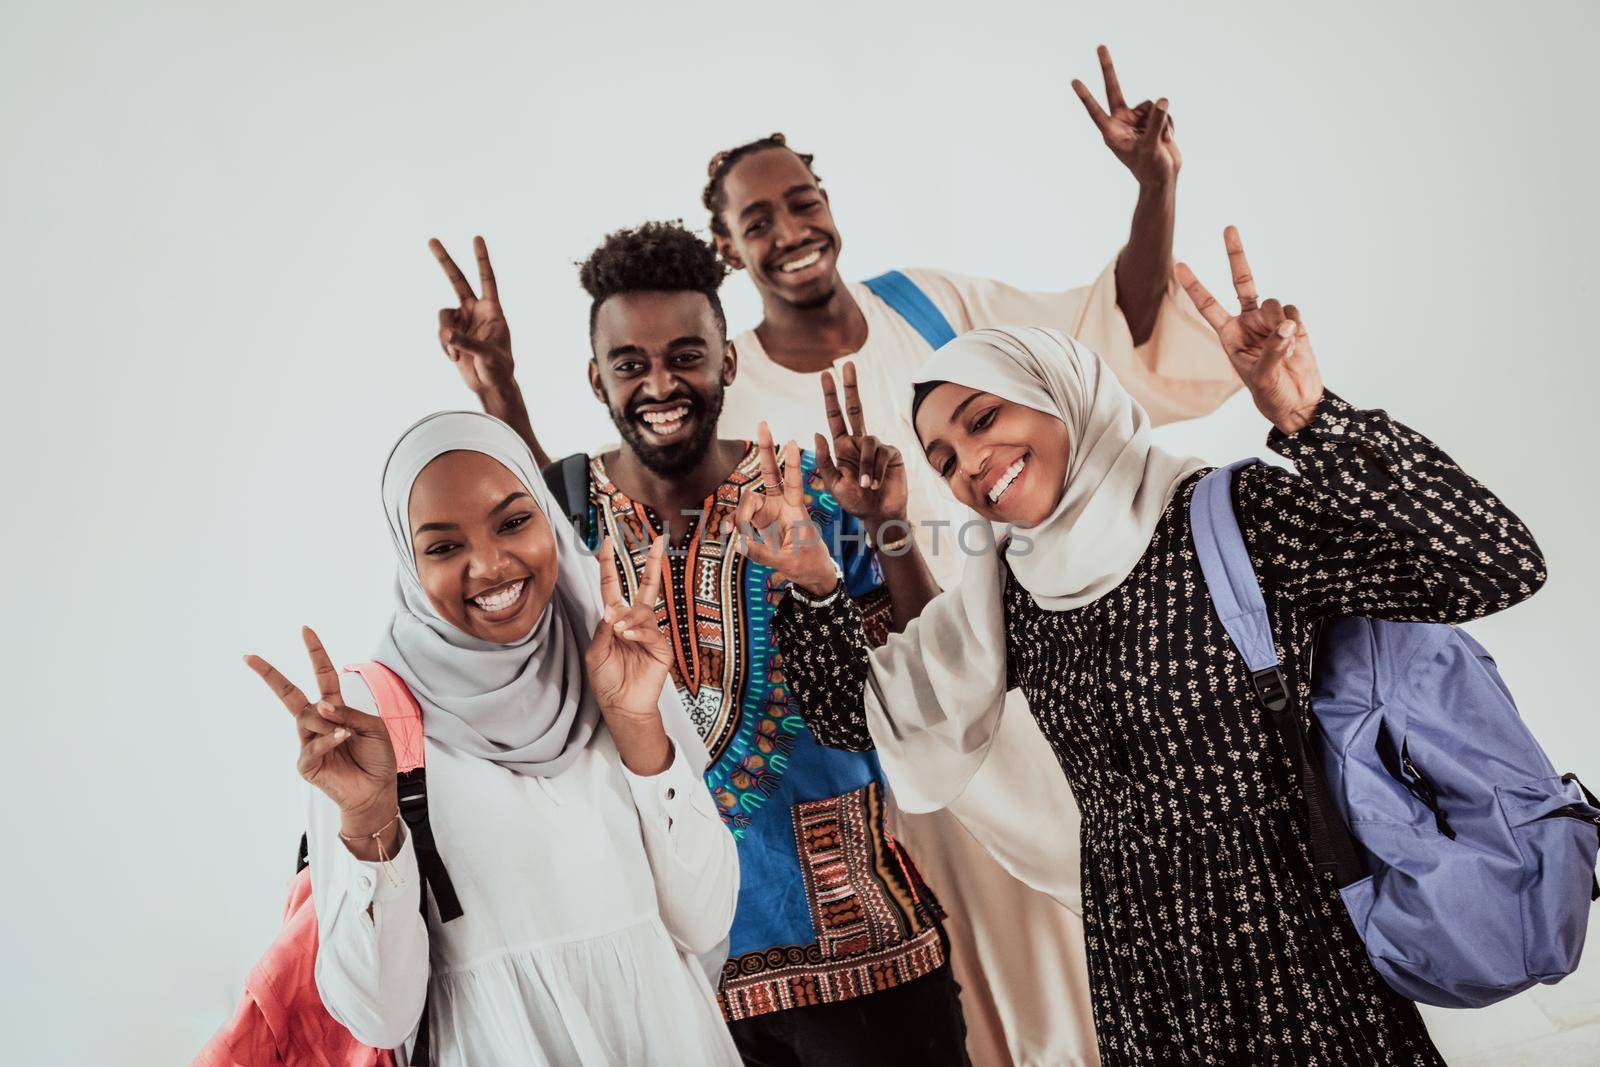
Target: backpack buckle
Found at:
1271, 689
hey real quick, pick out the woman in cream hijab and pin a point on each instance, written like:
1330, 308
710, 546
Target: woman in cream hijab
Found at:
564, 791
1211, 936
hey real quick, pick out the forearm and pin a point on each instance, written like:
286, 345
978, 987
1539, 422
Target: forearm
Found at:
506, 404
1143, 265
825, 663
909, 581
641, 742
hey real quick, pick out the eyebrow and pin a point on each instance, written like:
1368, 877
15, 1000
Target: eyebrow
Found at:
637, 350
429, 527
760, 204
954, 415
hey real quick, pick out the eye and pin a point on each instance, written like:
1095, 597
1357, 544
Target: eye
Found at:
808, 205
626, 367
947, 468
755, 227
982, 421
688, 358
442, 548
515, 522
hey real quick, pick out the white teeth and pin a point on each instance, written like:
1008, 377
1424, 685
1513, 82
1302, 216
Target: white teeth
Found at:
1005, 481
501, 600
802, 263
665, 422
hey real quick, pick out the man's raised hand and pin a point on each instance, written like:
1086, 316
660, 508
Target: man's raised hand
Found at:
865, 475
1141, 137
773, 527
475, 335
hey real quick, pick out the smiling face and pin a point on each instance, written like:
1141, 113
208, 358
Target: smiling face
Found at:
1006, 461
780, 228
485, 554
660, 367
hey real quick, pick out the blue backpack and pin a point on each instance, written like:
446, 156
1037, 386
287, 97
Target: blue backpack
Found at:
1465, 861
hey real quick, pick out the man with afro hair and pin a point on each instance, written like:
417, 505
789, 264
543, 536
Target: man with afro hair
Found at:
837, 953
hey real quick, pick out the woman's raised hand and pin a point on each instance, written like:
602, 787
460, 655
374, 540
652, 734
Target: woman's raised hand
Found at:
1268, 345
865, 475
774, 528
627, 659
1140, 137
343, 752
475, 335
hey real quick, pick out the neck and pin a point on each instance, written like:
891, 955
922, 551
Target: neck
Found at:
809, 339
670, 497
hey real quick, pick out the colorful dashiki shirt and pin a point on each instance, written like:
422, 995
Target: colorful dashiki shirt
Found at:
830, 906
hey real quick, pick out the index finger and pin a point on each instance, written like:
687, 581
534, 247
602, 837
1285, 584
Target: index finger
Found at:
1204, 302
322, 664
458, 281
852, 402
830, 401
1100, 118
285, 690
1244, 283
1113, 88
486, 281
610, 583
771, 481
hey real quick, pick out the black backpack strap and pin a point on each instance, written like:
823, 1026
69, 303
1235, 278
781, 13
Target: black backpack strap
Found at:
568, 480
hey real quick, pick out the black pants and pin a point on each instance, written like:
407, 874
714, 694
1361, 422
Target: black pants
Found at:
916, 1023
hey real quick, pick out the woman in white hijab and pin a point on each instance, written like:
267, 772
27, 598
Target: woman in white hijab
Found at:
563, 786
1211, 936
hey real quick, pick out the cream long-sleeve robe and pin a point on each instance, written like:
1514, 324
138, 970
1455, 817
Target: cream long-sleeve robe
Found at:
1018, 953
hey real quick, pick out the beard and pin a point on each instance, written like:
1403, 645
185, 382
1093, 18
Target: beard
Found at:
674, 460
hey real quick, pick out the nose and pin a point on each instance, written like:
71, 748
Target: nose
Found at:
659, 382
488, 564
788, 230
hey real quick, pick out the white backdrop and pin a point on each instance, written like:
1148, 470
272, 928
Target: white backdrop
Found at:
220, 313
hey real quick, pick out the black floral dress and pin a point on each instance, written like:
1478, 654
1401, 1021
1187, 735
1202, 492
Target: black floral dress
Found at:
1211, 937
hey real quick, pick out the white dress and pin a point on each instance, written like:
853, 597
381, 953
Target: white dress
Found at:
586, 901
1018, 954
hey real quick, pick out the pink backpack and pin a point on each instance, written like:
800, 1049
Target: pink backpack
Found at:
281, 1021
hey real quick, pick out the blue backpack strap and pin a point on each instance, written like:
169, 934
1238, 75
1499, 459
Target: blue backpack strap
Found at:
912, 304
1231, 580
1236, 596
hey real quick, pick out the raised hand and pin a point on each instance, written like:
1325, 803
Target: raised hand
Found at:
1268, 345
475, 335
773, 527
628, 658
865, 475
343, 752
1141, 137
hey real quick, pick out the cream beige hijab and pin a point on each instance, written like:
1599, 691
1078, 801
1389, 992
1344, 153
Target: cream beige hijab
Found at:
936, 691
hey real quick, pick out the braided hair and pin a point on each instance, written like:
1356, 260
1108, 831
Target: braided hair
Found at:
715, 199
656, 257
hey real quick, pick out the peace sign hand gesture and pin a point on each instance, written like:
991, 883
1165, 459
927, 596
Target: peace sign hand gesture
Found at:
1268, 345
773, 527
628, 657
475, 335
343, 752
1141, 137
866, 476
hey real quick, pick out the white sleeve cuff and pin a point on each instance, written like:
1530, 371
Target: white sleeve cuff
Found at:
665, 796
376, 882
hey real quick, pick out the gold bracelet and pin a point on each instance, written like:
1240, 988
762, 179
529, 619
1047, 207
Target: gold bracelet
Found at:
384, 860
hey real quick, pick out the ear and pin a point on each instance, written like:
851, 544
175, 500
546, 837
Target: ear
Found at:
725, 250
595, 385
730, 363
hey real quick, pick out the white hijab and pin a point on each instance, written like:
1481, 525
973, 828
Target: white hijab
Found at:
936, 691
526, 705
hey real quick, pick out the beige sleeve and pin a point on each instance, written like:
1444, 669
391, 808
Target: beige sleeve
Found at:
1180, 373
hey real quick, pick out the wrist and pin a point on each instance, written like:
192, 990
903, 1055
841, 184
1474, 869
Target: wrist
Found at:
366, 819
641, 740
1159, 186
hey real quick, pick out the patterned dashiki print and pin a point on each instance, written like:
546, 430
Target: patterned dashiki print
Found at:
830, 906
